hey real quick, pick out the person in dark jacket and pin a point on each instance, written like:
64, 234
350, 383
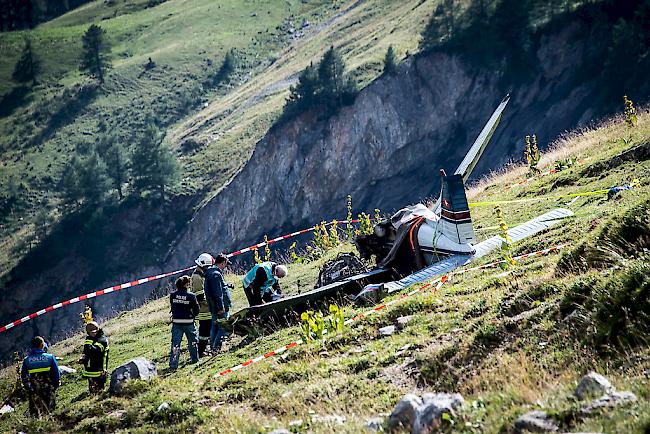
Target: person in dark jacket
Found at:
95, 358
203, 262
261, 283
218, 297
41, 377
184, 309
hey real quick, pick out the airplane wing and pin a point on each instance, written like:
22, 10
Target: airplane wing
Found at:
518, 233
474, 154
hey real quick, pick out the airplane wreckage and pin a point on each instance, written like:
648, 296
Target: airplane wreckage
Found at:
414, 245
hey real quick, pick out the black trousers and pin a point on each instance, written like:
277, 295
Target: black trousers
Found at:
96, 384
254, 297
204, 335
42, 399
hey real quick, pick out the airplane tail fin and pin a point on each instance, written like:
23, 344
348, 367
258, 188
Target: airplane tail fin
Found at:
455, 220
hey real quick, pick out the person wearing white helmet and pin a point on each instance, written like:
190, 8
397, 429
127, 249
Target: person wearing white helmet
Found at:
203, 262
261, 283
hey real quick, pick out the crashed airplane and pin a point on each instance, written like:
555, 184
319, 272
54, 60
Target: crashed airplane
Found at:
416, 244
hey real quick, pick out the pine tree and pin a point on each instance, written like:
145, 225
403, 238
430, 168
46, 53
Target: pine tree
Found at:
42, 221
70, 183
303, 94
153, 165
390, 61
94, 59
227, 67
336, 88
116, 162
94, 181
27, 66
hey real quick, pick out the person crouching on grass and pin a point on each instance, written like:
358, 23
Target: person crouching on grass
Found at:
184, 308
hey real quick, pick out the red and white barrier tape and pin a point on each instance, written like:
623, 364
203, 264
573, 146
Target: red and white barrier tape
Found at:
91, 295
438, 282
152, 278
293, 344
284, 237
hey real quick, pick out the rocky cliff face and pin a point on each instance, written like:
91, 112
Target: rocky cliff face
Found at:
385, 150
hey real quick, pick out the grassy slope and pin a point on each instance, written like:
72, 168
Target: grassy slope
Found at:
464, 338
181, 39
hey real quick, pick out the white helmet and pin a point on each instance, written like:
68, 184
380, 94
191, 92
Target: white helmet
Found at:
204, 260
280, 271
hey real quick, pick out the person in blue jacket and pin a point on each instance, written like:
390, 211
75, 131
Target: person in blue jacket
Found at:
41, 377
184, 308
218, 297
261, 283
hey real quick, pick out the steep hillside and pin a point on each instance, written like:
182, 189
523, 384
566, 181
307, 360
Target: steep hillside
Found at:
380, 149
271, 46
509, 341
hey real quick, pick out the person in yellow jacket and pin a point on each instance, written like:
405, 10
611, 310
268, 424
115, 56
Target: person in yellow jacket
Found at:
204, 261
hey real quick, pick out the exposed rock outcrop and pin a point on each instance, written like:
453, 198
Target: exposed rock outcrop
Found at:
386, 148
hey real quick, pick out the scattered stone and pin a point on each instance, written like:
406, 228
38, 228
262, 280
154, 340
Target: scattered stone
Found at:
576, 317
535, 421
403, 350
388, 330
6, 409
136, 369
118, 414
429, 418
405, 413
295, 423
164, 406
402, 321
280, 431
593, 384
65, 370
611, 400
330, 418
446, 401
375, 424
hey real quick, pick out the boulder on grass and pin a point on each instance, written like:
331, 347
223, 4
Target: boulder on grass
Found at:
136, 369
535, 421
405, 412
592, 385
435, 406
